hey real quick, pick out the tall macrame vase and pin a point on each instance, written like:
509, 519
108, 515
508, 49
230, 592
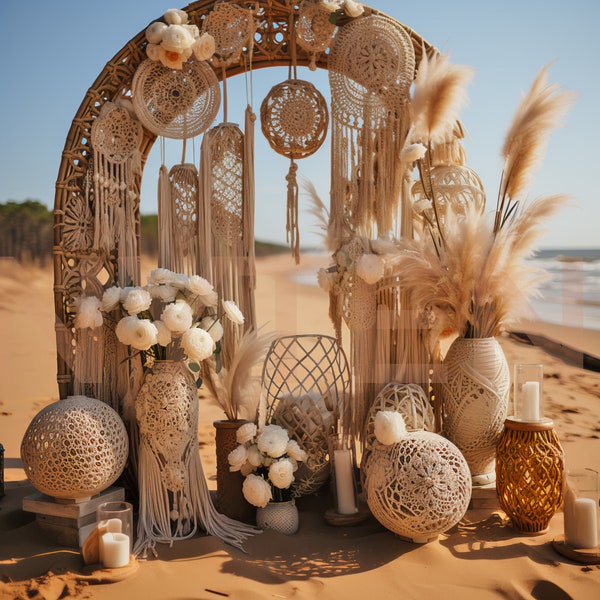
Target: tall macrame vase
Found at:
475, 393
230, 500
174, 498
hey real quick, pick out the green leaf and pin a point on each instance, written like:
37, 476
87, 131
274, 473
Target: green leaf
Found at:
194, 367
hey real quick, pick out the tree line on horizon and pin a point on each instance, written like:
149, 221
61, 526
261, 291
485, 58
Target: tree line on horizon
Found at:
26, 233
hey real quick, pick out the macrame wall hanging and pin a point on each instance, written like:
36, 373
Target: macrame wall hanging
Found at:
294, 120
227, 183
314, 29
371, 68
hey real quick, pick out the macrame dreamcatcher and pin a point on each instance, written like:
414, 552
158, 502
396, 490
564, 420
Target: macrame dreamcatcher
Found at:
116, 139
294, 120
371, 68
314, 29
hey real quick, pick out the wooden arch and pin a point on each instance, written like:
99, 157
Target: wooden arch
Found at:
78, 266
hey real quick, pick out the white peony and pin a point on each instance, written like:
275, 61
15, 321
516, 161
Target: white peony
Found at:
164, 293
233, 312
213, 326
161, 275
163, 337
370, 268
211, 299
138, 333
245, 433
110, 298
180, 280
273, 441
255, 458
155, 31
199, 286
353, 9
256, 491
88, 313
281, 473
390, 427
204, 47
197, 344
173, 60
175, 16
293, 450
177, 316
237, 458
176, 38
125, 291
137, 301
413, 152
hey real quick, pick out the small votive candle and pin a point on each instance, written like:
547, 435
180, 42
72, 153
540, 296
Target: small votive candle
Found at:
581, 509
114, 520
528, 379
115, 550
344, 482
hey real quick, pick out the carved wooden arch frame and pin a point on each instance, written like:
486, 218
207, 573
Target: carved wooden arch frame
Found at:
77, 265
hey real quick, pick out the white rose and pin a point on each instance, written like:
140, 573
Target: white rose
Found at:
163, 336
245, 433
370, 268
389, 427
204, 47
293, 450
125, 292
237, 458
256, 491
154, 32
164, 293
88, 313
281, 473
137, 301
211, 299
177, 316
161, 275
233, 312
138, 333
199, 286
174, 16
180, 280
353, 9
331, 5
176, 39
213, 326
197, 344
255, 458
110, 298
273, 441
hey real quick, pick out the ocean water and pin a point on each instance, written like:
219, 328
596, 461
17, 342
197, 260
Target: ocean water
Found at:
571, 293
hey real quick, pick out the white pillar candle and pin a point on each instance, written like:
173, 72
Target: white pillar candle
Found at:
584, 527
108, 526
115, 550
531, 401
344, 482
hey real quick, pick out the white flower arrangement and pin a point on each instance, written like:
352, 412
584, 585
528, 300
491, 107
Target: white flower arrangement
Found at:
172, 317
175, 41
268, 461
389, 427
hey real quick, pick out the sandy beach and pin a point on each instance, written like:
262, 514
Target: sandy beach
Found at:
480, 558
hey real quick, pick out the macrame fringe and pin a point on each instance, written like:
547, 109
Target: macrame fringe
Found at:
88, 364
166, 251
292, 229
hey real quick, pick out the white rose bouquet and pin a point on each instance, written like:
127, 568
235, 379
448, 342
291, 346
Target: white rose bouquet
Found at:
268, 461
174, 316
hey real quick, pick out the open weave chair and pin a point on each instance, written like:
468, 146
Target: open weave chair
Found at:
306, 380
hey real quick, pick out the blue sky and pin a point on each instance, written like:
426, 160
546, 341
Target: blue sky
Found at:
53, 51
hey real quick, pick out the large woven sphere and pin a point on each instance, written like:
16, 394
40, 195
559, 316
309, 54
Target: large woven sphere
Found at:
419, 487
75, 448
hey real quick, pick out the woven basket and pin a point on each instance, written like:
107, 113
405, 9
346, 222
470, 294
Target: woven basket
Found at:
529, 474
278, 516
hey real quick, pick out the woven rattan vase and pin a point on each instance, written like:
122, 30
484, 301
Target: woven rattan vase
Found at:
475, 395
278, 516
230, 501
529, 474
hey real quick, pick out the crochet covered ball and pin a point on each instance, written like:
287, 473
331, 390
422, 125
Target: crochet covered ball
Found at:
418, 487
75, 448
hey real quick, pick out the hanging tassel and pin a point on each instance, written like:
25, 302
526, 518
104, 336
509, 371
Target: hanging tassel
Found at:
165, 226
292, 229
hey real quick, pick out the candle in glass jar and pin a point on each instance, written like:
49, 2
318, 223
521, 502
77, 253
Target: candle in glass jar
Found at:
115, 550
344, 482
531, 401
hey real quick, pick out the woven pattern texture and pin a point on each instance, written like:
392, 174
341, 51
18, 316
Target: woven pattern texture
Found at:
279, 516
419, 487
529, 475
74, 448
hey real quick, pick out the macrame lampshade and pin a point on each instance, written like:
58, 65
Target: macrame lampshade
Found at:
174, 103
314, 30
75, 448
419, 487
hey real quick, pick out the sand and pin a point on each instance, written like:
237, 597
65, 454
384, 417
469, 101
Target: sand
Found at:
480, 558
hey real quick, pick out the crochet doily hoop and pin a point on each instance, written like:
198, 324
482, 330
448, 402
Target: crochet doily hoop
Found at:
371, 65
232, 27
294, 118
116, 134
314, 30
176, 104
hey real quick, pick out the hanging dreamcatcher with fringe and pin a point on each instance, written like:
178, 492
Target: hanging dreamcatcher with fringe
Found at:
314, 29
294, 120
